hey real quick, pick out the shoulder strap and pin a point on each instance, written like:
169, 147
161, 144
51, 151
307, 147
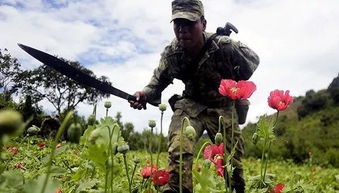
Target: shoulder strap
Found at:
203, 50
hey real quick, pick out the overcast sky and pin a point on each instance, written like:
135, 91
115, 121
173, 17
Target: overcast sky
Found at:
297, 42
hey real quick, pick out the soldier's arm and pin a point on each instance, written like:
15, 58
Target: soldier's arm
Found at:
245, 61
159, 81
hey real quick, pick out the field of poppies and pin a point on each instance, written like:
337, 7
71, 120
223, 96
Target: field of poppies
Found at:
97, 158
74, 170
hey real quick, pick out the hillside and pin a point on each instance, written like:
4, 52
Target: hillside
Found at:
307, 130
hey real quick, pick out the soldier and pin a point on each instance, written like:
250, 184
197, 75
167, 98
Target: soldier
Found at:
200, 101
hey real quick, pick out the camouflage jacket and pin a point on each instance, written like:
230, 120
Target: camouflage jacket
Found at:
224, 59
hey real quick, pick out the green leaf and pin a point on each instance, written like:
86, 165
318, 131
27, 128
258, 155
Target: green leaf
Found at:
35, 186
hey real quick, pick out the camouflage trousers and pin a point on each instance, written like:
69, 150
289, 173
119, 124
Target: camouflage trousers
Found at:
207, 120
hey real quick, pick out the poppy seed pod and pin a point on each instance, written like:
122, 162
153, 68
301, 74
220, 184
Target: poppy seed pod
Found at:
151, 123
136, 160
108, 104
162, 107
10, 122
123, 148
190, 132
91, 119
218, 138
33, 130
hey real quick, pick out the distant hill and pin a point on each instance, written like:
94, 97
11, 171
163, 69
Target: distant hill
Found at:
309, 128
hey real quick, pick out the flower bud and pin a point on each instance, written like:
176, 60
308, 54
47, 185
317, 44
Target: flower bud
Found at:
162, 107
255, 138
151, 123
123, 148
10, 122
190, 132
33, 130
108, 104
91, 119
218, 138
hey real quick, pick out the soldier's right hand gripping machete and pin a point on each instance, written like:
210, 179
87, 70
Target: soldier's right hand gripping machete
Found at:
75, 74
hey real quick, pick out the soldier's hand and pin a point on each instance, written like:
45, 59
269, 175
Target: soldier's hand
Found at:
141, 101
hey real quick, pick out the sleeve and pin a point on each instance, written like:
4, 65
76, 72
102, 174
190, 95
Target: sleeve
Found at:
160, 80
245, 61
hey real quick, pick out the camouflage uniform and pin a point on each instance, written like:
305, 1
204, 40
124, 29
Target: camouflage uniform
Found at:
201, 101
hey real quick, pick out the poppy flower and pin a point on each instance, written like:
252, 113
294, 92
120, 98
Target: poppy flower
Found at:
148, 171
215, 153
160, 177
13, 150
19, 166
42, 144
278, 188
279, 99
236, 90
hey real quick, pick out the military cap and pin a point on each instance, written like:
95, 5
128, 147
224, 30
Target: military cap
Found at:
187, 9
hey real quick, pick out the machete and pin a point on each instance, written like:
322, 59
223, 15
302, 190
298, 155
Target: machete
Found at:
74, 73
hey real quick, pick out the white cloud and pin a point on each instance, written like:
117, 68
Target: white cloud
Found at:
297, 42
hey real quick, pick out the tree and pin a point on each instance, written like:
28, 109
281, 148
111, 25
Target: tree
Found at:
9, 69
62, 92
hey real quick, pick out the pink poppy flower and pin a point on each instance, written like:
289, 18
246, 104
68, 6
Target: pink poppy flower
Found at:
236, 90
160, 177
146, 172
215, 154
279, 99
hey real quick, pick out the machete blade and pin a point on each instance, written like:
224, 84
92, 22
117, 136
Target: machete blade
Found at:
74, 73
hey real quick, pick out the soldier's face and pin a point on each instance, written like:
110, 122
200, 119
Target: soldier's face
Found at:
189, 33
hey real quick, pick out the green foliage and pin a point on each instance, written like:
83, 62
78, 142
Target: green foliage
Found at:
63, 93
9, 70
313, 101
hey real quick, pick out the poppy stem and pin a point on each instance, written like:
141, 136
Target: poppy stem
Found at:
55, 142
181, 151
202, 147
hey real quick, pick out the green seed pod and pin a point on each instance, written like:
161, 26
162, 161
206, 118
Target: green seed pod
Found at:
91, 119
190, 132
151, 123
218, 138
123, 148
162, 107
33, 130
10, 122
74, 132
255, 138
109, 163
108, 104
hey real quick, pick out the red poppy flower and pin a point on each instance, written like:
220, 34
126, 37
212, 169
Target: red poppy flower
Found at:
148, 171
236, 90
160, 177
211, 151
278, 188
215, 154
279, 99
42, 144
13, 150
19, 166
